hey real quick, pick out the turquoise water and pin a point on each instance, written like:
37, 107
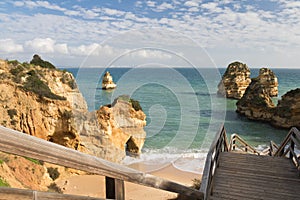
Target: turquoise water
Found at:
182, 108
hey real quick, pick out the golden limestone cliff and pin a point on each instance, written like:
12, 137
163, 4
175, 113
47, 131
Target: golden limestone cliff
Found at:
45, 102
256, 104
268, 79
235, 81
40, 100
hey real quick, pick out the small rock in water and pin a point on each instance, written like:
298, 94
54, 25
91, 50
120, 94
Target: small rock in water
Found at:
107, 82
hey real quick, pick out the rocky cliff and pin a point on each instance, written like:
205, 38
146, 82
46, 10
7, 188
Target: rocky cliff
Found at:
256, 104
40, 100
234, 81
287, 113
45, 102
268, 79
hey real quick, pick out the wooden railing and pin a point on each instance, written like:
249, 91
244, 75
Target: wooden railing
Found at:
220, 144
288, 145
21, 144
273, 148
22, 194
237, 143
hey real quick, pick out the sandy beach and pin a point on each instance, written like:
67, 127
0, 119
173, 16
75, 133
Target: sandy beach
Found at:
93, 185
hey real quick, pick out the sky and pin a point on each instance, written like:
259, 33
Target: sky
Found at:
200, 33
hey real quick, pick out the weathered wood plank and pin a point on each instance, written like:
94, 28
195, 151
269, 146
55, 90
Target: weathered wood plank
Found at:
21, 194
114, 188
218, 145
243, 176
25, 145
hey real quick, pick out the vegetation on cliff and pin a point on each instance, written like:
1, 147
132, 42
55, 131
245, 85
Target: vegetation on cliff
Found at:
28, 76
37, 60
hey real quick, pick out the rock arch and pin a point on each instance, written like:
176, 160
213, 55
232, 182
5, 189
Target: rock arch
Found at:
131, 147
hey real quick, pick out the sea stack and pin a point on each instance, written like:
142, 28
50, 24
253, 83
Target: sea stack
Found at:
107, 82
268, 79
256, 103
234, 81
287, 112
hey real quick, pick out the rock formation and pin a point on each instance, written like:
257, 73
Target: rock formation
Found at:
234, 81
268, 79
40, 102
124, 124
107, 82
287, 113
256, 103
115, 129
46, 103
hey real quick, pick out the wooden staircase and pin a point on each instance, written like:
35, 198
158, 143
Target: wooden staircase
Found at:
235, 170
246, 176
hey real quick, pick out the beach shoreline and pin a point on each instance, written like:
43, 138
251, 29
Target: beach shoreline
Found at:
94, 185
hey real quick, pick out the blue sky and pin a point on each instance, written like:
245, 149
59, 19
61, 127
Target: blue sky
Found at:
257, 32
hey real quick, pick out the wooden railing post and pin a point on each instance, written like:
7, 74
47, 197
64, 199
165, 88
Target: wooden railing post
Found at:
114, 188
233, 143
292, 147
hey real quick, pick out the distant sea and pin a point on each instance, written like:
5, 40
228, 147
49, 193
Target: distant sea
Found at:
183, 110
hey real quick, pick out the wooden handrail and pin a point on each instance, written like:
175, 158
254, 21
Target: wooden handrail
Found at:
14, 193
273, 148
220, 144
288, 146
245, 148
18, 143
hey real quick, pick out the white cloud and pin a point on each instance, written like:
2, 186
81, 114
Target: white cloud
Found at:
191, 4
18, 3
138, 4
46, 45
193, 9
35, 4
9, 46
115, 12
211, 6
162, 7
46, 4
151, 54
85, 50
151, 3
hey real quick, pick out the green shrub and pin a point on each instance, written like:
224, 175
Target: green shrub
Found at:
26, 64
33, 160
1, 161
36, 85
3, 183
135, 104
13, 62
66, 80
16, 71
37, 60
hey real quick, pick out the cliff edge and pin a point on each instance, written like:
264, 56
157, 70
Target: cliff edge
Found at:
40, 100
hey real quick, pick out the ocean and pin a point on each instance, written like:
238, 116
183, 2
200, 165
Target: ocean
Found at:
183, 110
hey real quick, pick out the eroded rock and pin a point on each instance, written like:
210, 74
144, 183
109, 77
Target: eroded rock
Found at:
107, 82
234, 81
